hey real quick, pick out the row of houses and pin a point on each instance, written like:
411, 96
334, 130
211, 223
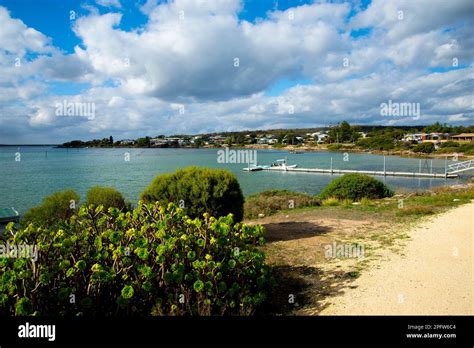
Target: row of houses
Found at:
438, 137
320, 137
267, 139
169, 141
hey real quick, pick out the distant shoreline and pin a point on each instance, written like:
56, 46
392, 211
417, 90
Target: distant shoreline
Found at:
320, 148
38, 145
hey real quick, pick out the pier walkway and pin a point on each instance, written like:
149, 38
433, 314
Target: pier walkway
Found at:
368, 172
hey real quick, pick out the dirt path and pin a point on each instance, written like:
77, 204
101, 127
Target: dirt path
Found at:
434, 276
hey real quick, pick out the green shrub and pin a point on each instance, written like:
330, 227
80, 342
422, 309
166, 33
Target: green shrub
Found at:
199, 191
448, 150
334, 147
270, 202
449, 144
355, 187
153, 260
108, 197
417, 210
467, 149
330, 202
346, 203
53, 210
377, 142
278, 145
469, 152
424, 148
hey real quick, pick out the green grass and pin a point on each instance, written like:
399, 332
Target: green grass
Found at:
417, 205
417, 210
270, 202
354, 274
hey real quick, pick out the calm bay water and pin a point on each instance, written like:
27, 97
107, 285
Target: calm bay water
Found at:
45, 170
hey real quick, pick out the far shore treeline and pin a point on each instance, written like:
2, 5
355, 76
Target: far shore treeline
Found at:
340, 133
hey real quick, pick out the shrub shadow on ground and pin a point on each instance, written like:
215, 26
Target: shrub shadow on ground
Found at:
283, 231
303, 290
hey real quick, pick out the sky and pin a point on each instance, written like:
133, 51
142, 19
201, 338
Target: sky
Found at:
129, 68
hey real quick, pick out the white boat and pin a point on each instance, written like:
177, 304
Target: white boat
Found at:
283, 163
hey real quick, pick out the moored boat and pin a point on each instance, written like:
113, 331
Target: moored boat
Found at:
283, 163
9, 215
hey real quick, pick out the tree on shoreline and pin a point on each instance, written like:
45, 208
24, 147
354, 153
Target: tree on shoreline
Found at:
343, 133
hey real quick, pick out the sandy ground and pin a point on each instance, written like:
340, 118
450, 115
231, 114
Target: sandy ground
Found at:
433, 276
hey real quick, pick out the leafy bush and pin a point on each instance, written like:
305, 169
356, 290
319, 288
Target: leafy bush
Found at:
53, 210
334, 147
448, 150
153, 260
108, 197
424, 148
269, 202
355, 187
449, 144
200, 190
467, 149
377, 142
469, 152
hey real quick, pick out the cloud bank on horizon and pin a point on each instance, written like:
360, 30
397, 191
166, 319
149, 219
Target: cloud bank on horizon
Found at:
192, 66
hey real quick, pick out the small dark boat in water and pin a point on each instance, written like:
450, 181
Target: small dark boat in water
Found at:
9, 215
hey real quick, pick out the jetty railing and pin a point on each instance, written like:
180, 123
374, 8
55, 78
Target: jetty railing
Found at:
460, 167
449, 172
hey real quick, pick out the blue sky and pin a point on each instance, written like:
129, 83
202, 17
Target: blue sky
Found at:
47, 16
229, 64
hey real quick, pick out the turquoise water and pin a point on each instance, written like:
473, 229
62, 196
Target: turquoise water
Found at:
44, 170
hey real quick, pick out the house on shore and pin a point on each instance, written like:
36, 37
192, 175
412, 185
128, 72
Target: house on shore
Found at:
426, 137
127, 142
436, 137
158, 142
217, 139
463, 137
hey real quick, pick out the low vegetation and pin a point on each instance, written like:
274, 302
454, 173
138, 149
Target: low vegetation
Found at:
453, 147
424, 148
419, 210
402, 206
153, 260
53, 210
377, 142
269, 202
108, 197
341, 191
